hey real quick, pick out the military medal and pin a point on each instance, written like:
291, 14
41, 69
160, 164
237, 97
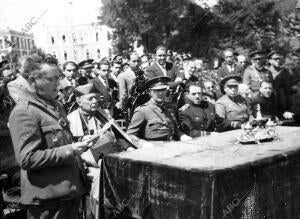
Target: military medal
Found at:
62, 122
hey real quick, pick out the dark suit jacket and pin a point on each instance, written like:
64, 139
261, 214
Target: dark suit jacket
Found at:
223, 71
104, 91
155, 71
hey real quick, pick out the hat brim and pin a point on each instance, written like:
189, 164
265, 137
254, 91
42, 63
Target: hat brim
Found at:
224, 80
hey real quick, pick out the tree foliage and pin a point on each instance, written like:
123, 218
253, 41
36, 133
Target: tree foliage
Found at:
185, 26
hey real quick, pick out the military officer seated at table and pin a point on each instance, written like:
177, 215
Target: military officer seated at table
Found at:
156, 120
197, 118
231, 109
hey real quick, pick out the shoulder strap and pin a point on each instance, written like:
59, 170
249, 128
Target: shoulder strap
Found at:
43, 109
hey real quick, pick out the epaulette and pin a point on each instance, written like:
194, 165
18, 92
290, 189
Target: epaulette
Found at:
184, 107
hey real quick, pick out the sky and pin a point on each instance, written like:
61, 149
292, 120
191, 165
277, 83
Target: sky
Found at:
47, 13
15, 14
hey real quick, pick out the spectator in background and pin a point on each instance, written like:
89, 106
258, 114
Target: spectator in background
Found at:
19, 89
209, 91
161, 67
70, 73
229, 67
242, 61
126, 80
169, 57
86, 68
145, 63
101, 83
245, 92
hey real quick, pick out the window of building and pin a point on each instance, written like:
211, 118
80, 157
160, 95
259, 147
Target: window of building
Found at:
98, 53
86, 37
64, 38
87, 53
74, 37
65, 56
52, 40
97, 37
108, 35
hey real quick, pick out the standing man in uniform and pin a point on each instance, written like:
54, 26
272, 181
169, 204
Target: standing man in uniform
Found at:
51, 181
198, 117
156, 120
256, 73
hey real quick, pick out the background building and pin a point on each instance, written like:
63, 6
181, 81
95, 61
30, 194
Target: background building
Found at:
16, 43
79, 42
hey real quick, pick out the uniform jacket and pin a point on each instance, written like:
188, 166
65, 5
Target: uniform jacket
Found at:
252, 77
223, 71
195, 119
49, 169
155, 71
104, 91
154, 123
229, 111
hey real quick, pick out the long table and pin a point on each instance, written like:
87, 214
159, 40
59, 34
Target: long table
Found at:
208, 177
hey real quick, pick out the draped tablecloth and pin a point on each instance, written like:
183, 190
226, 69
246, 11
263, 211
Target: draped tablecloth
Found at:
208, 177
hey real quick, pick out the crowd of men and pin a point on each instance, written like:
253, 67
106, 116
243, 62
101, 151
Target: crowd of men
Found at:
59, 121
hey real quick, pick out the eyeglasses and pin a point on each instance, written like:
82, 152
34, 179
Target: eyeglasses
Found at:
197, 93
226, 57
70, 69
232, 86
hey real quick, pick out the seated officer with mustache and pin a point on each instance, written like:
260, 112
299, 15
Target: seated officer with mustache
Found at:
198, 117
156, 120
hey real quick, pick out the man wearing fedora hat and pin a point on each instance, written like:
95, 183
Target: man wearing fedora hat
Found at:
256, 73
156, 120
231, 109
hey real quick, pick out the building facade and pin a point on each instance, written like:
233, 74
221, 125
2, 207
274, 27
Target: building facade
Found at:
16, 43
79, 42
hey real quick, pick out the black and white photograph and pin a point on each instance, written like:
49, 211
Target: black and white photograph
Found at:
150, 109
